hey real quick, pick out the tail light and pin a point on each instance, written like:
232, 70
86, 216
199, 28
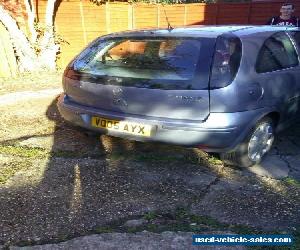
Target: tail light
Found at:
71, 73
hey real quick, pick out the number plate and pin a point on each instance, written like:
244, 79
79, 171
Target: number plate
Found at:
122, 126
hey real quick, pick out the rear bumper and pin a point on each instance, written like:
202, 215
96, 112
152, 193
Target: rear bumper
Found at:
218, 133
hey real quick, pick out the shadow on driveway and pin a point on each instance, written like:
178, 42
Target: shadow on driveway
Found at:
85, 182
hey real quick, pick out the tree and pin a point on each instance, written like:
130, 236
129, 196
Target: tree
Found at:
39, 51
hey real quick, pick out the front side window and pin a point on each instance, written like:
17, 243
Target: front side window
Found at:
167, 63
277, 53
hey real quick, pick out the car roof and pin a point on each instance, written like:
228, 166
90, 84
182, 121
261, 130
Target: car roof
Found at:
212, 31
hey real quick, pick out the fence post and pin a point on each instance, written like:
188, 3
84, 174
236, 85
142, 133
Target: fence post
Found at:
83, 22
249, 12
158, 15
107, 17
217, 13
185, 14
130, 17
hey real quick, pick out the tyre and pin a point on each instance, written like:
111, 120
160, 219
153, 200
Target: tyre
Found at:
256, 145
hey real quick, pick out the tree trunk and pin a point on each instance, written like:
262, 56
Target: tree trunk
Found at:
25, 54
31, 19
27, 57
48, 47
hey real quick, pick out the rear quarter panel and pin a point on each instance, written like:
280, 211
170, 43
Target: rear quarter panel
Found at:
251, 90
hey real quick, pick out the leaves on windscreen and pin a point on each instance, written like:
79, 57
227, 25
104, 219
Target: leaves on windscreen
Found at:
142, 61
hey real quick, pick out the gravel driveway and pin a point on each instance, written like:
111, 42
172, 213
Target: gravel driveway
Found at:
58, 183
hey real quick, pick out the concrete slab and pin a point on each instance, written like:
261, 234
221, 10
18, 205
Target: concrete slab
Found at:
139, 241
272, 166
201, 180
294, 162
285, 146
252, 204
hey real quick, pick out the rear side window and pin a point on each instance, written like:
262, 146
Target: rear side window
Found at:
276, 53
226, 62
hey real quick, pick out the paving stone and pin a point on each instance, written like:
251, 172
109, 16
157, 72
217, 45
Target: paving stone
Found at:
12, 98
135, 223
45, 142
138, 241
201, 179
287, 147
255, 205
272, 166
226, 184
295, 175
294, 162
75, 195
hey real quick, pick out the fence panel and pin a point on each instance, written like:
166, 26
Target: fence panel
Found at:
80, 21
174, 14
145, 15
235, 13
201, 14
8, 65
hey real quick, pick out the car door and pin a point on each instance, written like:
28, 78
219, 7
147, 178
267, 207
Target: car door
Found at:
278, 73
295, 35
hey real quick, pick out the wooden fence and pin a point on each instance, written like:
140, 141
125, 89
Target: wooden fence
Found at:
79, 22
8, 64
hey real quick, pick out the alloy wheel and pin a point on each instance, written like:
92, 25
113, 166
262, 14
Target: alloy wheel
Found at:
260, 142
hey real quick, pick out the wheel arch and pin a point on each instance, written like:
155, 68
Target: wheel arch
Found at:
237, 156
275, 116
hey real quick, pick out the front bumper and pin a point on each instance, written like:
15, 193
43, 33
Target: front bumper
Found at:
218, 133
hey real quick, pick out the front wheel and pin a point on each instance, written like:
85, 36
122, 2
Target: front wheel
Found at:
257, 144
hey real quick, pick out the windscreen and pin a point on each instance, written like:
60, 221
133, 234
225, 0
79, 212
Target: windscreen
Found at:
164, 63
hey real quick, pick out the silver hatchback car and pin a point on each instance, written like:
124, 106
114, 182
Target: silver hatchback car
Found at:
224, 89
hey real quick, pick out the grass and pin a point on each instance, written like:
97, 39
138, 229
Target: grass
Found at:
8, 170
214, 160
182, 220
106, 229
116, 156
40, 153
23, 151
156, 158
31, 82
207, 221
150, 216
26, 155
178, 156
292, 182
13, 149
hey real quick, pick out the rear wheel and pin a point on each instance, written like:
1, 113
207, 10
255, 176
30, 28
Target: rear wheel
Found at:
257, 144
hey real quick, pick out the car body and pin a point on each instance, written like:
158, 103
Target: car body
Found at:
223, 89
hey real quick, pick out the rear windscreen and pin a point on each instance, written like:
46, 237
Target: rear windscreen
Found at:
164, 63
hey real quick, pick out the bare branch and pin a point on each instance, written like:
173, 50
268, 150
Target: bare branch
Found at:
25, 53
31, 19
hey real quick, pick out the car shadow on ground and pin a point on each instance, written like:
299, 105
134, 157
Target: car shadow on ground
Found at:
89, 182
